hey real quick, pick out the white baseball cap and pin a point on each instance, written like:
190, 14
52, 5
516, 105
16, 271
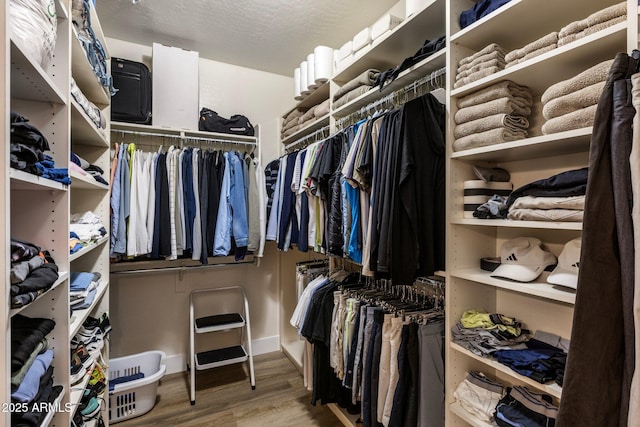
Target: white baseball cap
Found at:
566, 272
523, 259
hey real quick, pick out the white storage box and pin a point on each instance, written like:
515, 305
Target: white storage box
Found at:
345, 51
384, 24
135, 398
362, 39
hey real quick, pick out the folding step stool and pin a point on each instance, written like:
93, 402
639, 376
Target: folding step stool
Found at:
218, 323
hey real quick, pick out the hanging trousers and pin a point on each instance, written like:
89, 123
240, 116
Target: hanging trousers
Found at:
593, 391
431, 394
634, 161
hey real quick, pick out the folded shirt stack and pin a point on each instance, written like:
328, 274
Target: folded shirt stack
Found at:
483, 333
523, 407
87, 227
355, 87
595, 22
542, 45
33, 272
487, 61
83, 167
82, 289
479, 396
89, 107
495, 114
557, 198
572, 103
31, 370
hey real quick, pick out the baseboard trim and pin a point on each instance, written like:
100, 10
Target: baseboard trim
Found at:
178, 362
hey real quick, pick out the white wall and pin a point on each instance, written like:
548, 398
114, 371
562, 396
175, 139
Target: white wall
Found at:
150, 311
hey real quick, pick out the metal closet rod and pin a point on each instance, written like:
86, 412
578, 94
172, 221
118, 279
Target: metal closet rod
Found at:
313, 137
182, 268
398, 97
183, 137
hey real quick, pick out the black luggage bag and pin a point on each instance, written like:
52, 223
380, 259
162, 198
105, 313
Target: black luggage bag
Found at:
132, 102
238, 124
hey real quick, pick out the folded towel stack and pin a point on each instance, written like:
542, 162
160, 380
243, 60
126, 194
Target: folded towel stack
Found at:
595, 22
571, 104
355, 87
533, 49
492, 115
291, 121
487, 61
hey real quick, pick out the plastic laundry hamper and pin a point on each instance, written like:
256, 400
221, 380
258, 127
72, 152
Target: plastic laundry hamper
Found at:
135, 398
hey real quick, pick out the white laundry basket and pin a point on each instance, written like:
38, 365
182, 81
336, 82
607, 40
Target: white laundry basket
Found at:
135, 398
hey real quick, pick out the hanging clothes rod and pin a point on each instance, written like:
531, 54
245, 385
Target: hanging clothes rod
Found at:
417, 88
320, 134
183, 268
183, 137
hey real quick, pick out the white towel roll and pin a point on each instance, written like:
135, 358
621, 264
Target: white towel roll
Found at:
296, 85
323, 65
304, 87
311, 72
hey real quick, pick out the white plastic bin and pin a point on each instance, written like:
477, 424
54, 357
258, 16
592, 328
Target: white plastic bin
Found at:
135, 398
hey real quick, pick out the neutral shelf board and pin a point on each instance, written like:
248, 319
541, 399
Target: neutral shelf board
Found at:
62, 276
467, 417
85, 182
81, 315
61, 10
24, 181
58, 403
557, 144
319, 95
539, 288
432, 63
320, 123
135, 127
553, 389
84, 76
30, 82
345, 418
559, 64
507, 23
177, 264
83, 130
518, 224
82, 252
401, 42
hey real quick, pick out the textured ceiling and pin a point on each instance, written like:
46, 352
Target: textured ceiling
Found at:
268, 35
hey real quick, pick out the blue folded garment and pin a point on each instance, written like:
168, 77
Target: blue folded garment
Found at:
80, 281
125, 379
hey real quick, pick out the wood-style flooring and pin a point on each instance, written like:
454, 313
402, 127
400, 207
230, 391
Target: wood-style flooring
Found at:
224, 399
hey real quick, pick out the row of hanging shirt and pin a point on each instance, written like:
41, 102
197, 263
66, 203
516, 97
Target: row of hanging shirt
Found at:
374, 349
373, 193
187, 202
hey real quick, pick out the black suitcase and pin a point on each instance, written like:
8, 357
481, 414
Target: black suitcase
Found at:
132, 102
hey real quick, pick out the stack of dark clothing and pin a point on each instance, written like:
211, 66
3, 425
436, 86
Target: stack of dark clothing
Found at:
560, 197
523, 407
27, 149
33, 272
479, 10
31, 370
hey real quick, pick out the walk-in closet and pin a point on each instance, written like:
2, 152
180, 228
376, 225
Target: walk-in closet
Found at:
399, 213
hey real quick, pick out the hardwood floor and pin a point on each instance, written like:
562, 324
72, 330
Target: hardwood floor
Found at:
224, 399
